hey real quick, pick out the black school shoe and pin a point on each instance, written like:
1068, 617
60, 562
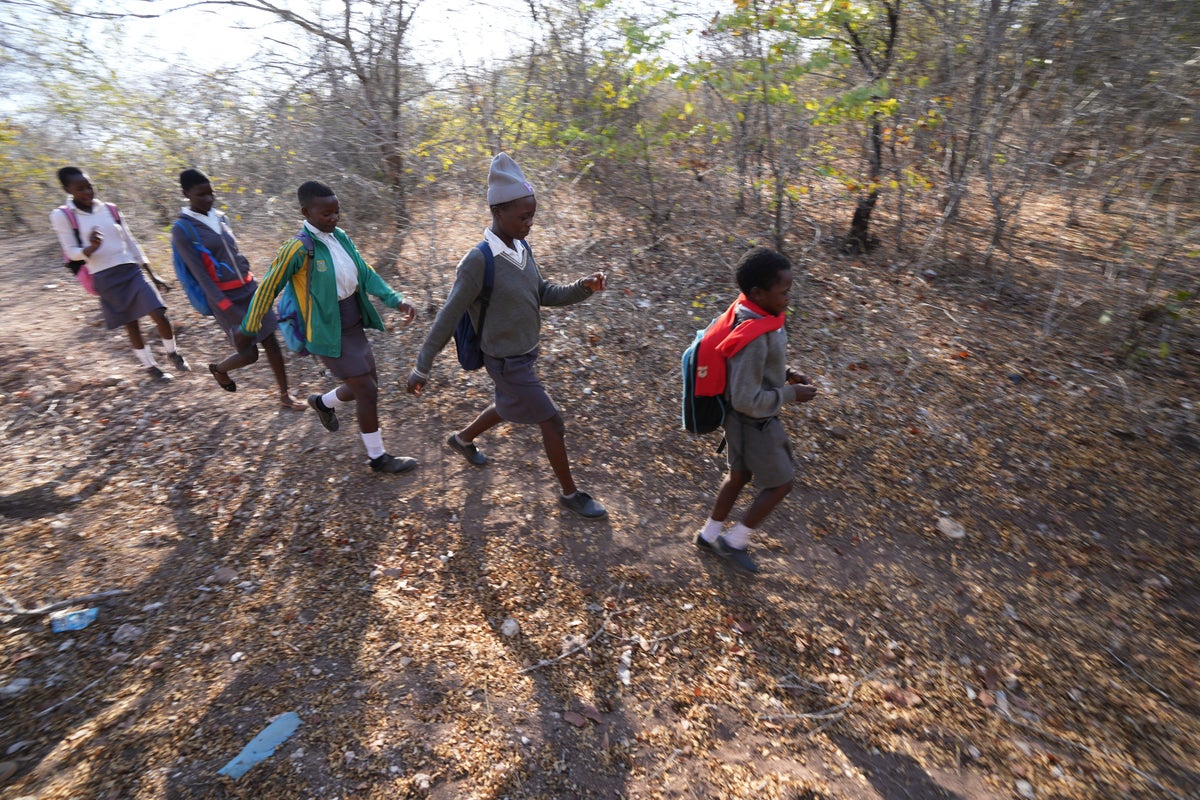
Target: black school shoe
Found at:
179, 361
392, 464
156, 374
327, 415
739, 556
702, 543
583, 505
468, 451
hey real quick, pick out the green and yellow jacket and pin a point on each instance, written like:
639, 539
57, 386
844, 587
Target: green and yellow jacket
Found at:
318, 307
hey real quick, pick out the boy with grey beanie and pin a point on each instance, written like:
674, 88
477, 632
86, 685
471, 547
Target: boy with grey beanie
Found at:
509, 337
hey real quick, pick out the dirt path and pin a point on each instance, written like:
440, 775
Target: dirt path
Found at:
268, 570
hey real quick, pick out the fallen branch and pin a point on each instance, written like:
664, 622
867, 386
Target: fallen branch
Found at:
13, 608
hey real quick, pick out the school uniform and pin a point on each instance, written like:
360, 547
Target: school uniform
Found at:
332, 295
115, 266
511, 329
756, 389
230, 301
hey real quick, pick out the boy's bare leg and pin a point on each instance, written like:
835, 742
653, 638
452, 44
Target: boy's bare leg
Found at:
279, 369
555, 442
238, 360
488, 418
135, 335
363, 390
764, 503
163, 324
731, 487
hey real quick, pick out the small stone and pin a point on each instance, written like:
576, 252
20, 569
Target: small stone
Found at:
7, 770
224, 575
16, 687
422, 781
950, 528
510, 628
974, 752
1025, 789
236, 657
126, 633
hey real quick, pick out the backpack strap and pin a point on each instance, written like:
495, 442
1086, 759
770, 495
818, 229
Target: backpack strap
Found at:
69, 213
112, 209
489, 280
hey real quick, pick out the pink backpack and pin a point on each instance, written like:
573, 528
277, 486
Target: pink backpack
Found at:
79, 268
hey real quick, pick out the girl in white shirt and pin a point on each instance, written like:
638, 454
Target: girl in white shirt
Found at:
115, 261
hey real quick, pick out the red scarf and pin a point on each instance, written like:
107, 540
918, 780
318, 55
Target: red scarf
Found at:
724, 338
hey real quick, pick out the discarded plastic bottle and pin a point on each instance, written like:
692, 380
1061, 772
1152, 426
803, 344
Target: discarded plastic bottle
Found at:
72, 620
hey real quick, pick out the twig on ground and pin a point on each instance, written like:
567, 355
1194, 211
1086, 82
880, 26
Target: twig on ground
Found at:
13, 608
66, 700
833, 713
577, 649
639, 640
1135, 674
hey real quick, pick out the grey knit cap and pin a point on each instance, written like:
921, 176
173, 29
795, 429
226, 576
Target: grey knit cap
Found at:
506, 181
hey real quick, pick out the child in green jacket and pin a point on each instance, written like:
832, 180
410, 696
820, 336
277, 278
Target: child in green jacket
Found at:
331, 293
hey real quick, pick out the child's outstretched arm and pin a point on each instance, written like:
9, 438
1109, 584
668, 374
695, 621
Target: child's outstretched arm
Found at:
564, 294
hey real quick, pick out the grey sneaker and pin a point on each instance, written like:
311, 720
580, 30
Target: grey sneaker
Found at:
583, 505
327, 415
392, 464
468, 451
739, 556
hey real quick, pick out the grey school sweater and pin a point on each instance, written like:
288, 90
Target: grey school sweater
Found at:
513, 320
756, 378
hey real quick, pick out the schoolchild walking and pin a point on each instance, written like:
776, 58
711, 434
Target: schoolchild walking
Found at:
92, 232
758, 384
332, 288
203, 241
510, 330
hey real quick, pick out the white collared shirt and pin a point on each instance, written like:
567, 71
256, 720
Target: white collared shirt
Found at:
212, 219
118, 246
344, 267
515, 254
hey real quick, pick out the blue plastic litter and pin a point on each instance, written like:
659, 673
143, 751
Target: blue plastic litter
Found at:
262, 745
72, 620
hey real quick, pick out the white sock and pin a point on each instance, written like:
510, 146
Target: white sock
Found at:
374, 444
145, 356
460, 440
169, 345
711, 530
331, 401
738, 536
569, 496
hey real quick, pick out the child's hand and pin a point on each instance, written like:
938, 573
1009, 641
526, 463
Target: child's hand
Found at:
597, 281
794, 376
95, 239
805, 392
408, 311
415, 383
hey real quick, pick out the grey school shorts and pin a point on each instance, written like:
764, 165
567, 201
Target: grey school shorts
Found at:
760, 447
520, 396
357, 357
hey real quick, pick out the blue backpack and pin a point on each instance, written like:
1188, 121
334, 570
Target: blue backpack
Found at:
291, 323
222, 274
